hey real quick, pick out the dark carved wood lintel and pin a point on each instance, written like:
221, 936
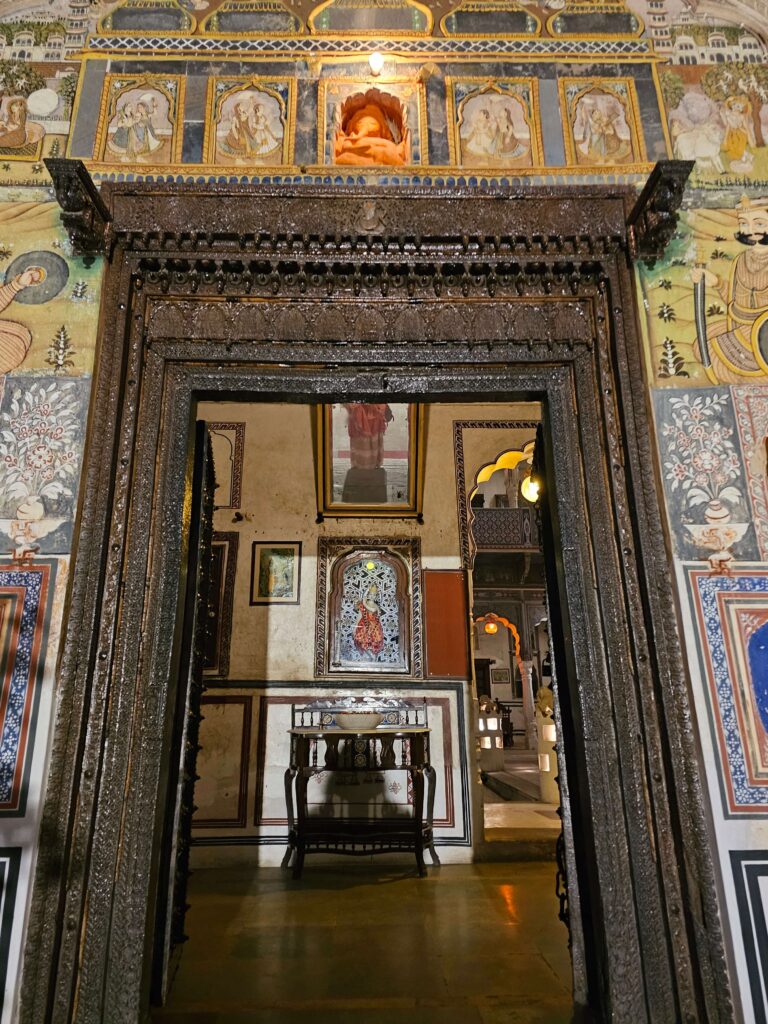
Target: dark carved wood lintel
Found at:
367, 222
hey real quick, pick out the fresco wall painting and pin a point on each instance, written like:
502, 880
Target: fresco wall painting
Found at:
140, 120
705, 303
601, 122
250, 121
494, 123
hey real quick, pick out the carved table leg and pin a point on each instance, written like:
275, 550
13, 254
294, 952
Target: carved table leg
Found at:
290, 775
431, 774
417, 774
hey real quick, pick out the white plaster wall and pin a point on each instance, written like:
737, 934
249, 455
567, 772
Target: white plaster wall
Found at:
279, 504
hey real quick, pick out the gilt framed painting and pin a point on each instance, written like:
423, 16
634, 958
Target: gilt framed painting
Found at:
369, 459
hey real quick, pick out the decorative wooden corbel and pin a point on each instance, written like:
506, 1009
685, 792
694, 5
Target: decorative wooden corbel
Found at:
653, 220
83, 212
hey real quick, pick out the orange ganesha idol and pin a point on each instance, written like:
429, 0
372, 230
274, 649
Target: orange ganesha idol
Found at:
371, 131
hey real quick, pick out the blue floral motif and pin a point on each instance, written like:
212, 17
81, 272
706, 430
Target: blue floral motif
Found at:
31, 581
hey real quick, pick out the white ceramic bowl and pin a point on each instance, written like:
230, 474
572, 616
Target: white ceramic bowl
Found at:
358, 721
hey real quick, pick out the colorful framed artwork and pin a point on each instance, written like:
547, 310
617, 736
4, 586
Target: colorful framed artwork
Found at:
275, 572
731, 617
601, 124
250, 121
371, 126
369, 606
140, 120
500, 675
494, 123
370, 459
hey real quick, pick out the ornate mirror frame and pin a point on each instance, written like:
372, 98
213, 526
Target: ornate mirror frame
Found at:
366, 293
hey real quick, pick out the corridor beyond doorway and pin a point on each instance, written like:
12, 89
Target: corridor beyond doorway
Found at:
469, 944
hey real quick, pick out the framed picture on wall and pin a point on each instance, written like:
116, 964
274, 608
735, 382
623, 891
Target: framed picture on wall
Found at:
369, 606
369, 459
500, 675
275, 571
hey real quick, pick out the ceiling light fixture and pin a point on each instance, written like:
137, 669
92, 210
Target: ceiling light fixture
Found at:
376, 62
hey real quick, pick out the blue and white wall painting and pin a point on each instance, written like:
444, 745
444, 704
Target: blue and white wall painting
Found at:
517, 91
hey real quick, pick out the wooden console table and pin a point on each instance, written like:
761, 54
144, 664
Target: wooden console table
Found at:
320, 745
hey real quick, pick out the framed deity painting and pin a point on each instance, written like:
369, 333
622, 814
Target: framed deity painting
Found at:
369, 607
500, 675
369, 460
275, 572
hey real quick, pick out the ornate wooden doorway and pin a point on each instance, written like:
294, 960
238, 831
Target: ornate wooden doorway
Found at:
367, 294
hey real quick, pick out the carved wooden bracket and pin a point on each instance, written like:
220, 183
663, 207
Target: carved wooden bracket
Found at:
654, 217
83, 212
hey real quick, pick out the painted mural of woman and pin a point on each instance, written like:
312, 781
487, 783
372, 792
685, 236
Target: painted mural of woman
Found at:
369, 633
13, 128
142, 139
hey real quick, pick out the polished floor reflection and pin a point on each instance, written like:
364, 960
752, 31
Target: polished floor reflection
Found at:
474, 944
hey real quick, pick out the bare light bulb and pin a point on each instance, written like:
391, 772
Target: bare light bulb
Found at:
376, 62
529, 489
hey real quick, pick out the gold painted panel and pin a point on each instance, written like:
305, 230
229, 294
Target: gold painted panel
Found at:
250, 121
494, 124
140, 120
601, 123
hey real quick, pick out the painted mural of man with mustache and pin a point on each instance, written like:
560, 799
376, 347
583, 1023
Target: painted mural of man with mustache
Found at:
738, 345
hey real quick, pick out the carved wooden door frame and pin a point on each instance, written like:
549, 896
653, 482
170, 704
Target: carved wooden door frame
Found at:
307, 294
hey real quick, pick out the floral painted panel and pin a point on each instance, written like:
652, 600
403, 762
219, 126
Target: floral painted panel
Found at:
704, 478
42, 427
731, 612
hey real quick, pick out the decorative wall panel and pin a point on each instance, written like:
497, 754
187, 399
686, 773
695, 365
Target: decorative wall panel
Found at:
221, 794
731, 612
26, 593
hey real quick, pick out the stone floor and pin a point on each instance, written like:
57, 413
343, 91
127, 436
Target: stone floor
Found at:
469, 944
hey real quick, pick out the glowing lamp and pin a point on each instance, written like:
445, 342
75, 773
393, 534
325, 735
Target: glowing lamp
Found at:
491, 627
370, 566
549, 732
376, 62
530, 488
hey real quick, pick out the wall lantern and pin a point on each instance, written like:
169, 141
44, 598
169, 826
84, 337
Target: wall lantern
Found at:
530, 488
376, 62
